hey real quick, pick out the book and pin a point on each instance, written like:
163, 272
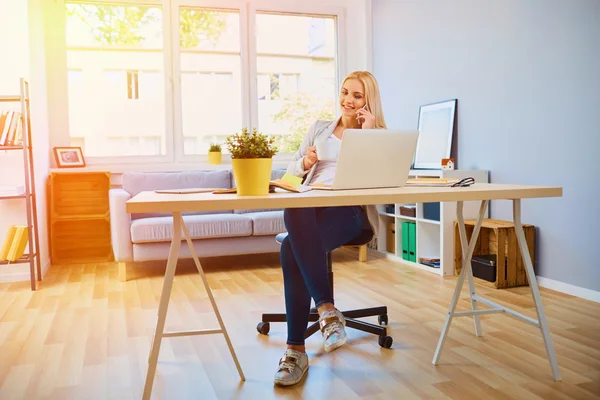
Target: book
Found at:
8, 239
12, 129
18, 244
5, 122
432, 262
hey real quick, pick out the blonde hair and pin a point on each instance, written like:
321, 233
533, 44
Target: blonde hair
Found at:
372, 96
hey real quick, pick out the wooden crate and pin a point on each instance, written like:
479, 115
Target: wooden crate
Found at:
79, 217
81, 241
500, 239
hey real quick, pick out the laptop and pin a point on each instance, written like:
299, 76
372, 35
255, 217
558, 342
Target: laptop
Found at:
373, 158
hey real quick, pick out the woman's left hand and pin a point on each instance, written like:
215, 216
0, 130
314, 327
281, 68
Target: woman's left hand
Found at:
365, 118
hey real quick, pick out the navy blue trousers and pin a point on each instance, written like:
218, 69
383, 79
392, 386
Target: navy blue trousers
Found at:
312, 233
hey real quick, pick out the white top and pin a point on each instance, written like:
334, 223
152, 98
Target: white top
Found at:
325, 170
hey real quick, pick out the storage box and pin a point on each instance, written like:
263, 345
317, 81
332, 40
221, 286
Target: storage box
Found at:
484, 267
431, 211
408, 211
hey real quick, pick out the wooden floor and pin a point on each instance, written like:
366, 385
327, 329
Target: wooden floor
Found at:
84, 335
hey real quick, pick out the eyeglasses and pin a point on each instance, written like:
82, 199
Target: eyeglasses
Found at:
464, 182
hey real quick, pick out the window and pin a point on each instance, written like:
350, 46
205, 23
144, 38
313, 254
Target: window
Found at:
211, 76
149, 83
296, 74
117, 88
208, 113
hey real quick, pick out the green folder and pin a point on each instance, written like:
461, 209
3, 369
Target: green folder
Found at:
405, 241
412, 242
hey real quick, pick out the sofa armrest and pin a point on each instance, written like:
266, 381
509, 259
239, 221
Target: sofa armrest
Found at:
120, 225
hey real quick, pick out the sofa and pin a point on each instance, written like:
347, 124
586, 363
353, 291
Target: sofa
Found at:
147, 237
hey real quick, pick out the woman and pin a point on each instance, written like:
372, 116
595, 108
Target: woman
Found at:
312, 232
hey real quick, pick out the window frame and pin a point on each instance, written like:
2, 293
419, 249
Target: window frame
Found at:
62, 108
225, 5
174, 140
304, 8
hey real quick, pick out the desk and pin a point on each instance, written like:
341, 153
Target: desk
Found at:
147, 202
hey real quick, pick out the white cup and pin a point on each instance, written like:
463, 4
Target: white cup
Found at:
327, 150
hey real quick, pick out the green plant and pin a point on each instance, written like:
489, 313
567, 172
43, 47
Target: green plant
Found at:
215, 147
250, 145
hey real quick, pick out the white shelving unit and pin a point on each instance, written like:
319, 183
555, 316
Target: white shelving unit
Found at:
434, 238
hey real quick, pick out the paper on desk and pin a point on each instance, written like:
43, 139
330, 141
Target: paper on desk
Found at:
443, 182
186, 191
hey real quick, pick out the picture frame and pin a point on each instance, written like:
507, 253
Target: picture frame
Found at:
69, 157
436, 131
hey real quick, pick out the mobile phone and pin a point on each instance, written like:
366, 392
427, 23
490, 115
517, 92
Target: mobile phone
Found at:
365, 108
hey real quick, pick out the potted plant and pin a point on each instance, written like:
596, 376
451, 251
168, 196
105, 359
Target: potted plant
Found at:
252, 161
214, 154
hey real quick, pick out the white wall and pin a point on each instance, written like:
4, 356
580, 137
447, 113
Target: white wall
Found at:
14, 23
526, 74
357, 45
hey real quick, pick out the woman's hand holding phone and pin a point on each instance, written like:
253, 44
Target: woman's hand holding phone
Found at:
365, 118
310, 158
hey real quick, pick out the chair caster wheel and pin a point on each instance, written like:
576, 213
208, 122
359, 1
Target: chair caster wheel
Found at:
263, 327
382, 319
385, 341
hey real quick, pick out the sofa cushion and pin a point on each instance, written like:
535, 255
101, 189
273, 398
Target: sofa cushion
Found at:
136, 182
267, 222
160, 229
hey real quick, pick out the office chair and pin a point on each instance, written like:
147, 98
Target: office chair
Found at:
381, 312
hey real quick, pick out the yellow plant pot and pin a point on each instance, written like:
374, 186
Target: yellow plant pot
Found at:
252, 175
214, 157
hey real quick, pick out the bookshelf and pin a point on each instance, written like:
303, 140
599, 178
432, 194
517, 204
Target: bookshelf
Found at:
433, 225
24, 144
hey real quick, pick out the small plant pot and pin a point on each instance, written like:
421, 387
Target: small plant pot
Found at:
214, 157
252, 175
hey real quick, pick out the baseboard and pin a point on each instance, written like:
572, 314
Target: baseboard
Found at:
9, 276
547, 283
567, 288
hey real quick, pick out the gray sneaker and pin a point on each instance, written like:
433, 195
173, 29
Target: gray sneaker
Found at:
292, 367
332, 325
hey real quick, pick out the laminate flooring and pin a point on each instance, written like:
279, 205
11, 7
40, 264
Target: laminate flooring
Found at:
85, 335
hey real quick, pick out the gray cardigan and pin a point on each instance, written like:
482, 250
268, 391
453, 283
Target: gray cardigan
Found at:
321, 130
